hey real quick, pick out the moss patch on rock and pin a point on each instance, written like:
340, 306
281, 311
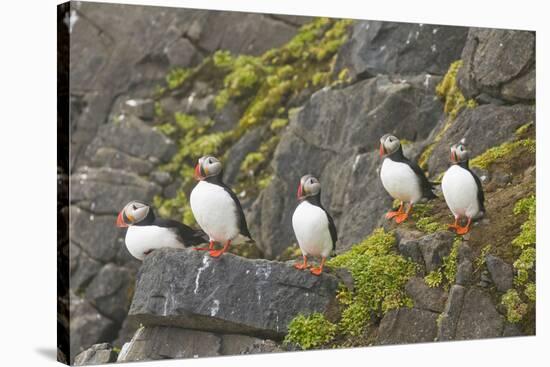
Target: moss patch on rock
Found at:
309, 332
505, 149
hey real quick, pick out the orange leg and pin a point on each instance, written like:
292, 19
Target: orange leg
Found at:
390, 214
455, 225
319, 270
303, 265
466, 229
209, 248
403, 216
217, 253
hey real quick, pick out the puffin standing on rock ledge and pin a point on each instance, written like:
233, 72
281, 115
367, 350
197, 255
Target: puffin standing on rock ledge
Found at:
146, 232
403, 180
313, 225
216, 207
462, 190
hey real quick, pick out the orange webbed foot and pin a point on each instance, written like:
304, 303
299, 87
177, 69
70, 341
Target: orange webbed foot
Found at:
390, 215
316, 271
301, 266
401, 218
462, 230
216, 253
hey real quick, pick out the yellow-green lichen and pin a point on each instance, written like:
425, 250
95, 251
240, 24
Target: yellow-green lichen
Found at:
530, 291
379, 275
446, 274
480, 260
429, 225
176, 77
449, 91
485, 159
434, 278
515, 307
528, 234
523, 128
310, 331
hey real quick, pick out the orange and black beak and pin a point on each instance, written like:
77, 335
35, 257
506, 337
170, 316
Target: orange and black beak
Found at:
453, 157
120, 220
197, 175
382, 150
299, 194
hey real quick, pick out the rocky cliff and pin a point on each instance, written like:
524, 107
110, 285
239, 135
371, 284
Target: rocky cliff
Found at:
300, 96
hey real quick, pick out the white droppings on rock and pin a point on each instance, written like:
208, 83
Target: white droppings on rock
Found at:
264, 270
215, 308
427, 80
205, 264
382, 48
434, 31
434, 48
191, 98
356, 162
132, 103
248, 272
91, 217
416, 35
71, 19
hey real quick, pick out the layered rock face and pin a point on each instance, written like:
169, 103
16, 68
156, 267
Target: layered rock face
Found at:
190, 305
119, 53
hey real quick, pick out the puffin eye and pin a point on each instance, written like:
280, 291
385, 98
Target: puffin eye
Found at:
311, 181
134, 206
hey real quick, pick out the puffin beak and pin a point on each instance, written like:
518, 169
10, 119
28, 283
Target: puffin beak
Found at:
197, 174
299, 193
382, 150
120, 222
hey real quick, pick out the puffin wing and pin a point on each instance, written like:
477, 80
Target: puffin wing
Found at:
427, 187
332, 229
480, 194
187, 235
243, 227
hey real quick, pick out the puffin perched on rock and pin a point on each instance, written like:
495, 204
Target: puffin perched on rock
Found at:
146, 232
403, 180
313, 226
462, 190
216, 207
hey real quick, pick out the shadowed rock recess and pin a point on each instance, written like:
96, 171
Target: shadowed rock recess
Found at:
277, 97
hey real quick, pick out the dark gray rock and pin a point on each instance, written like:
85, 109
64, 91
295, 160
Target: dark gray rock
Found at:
249, 142
400, 48
479, 317
188, 289
434, 247
501, 272
465, 267
111, 291
500, 63
409, 249
424, 297
144, 108
82, 268
234, 344
133, 137
182, 53
163, 342
95, 234
163, 178
87, 326
482, 127
107, 191
110, 157
96, 354
407, 325
336, 137
512, 330
448, 320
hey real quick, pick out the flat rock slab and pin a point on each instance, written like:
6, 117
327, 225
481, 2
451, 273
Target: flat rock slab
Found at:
189, 289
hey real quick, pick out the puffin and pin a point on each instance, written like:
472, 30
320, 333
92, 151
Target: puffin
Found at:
216, 208
403, 179
313, 226
147, 232
462, 190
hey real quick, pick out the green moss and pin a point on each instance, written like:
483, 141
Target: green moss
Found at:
176, 77
523, 265
434, 278
429, 225
310, 331
491, 155
515, 307
445, 275
531, 292
480, 260
523, 129
379, 275
278, 124
177, 208
528, 234
252, 160
449, 91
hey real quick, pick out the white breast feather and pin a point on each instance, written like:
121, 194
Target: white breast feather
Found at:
310, 225
142, 239
460, 192
215, 212
400, 181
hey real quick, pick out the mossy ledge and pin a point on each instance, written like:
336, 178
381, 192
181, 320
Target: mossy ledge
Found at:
379, 274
